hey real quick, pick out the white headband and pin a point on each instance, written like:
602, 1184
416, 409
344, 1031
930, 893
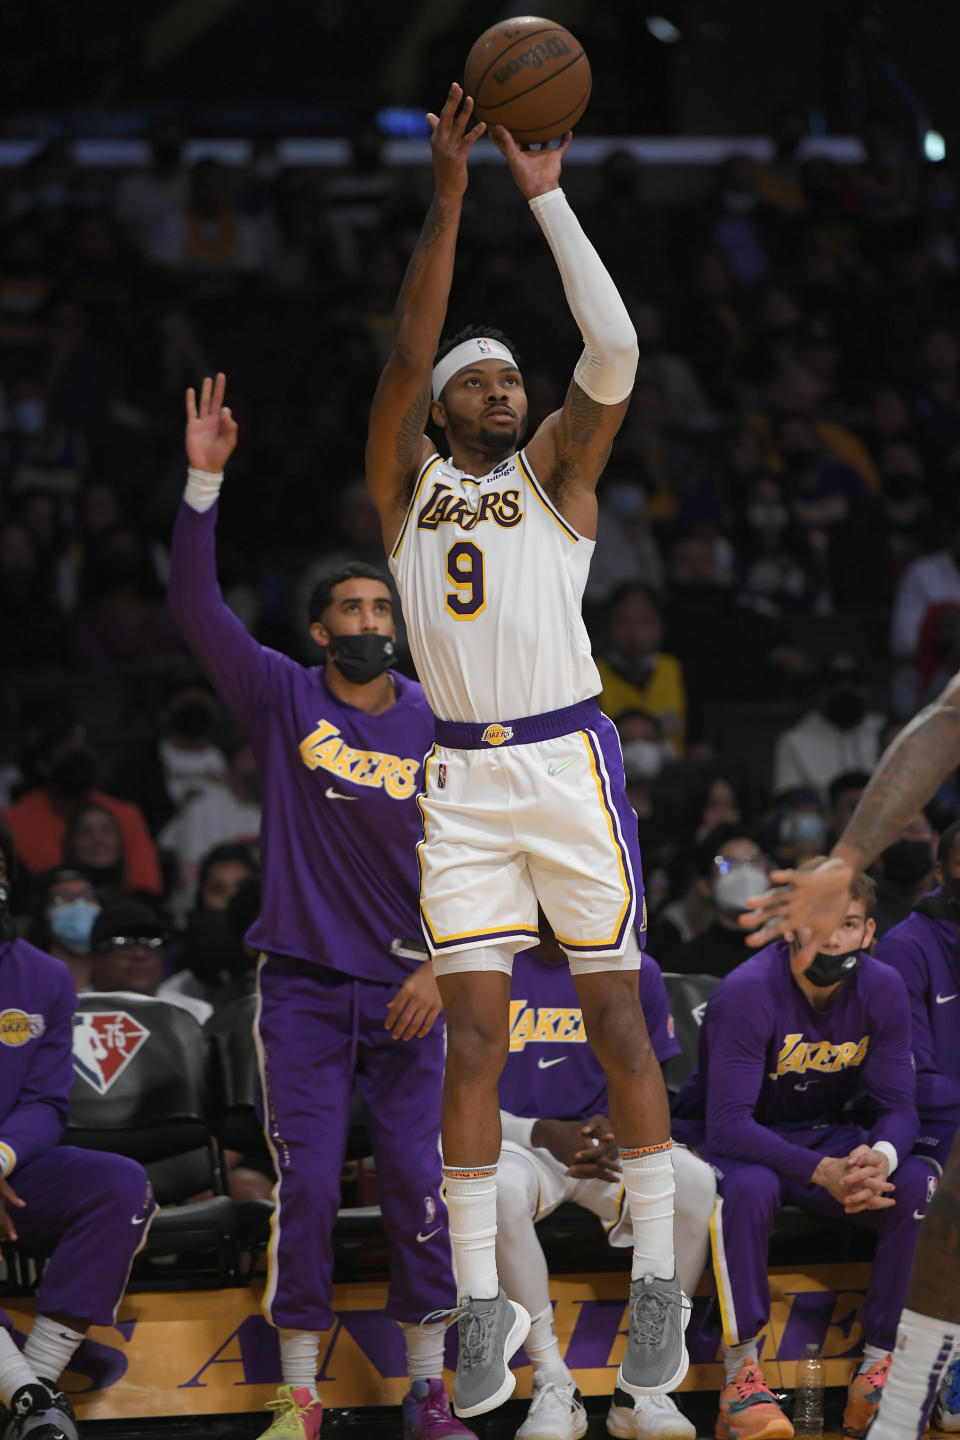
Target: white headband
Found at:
468, 353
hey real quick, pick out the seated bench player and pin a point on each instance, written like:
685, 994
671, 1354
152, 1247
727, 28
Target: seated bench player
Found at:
557, 1146
91, 1210
783, 1051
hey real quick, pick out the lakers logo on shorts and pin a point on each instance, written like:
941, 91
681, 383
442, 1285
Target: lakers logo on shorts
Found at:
497, 734
17, 1027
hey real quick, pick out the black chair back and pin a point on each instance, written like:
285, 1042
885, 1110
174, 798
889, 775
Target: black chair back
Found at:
688, 996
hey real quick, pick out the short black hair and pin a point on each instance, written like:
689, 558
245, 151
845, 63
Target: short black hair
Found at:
713, 842
847, 780
945, 843
475, 332
322, 594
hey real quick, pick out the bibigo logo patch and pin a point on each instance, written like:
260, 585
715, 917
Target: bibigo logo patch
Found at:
103, 1046
18, 1028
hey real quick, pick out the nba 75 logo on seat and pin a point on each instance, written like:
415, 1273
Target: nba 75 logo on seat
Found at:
103, 1046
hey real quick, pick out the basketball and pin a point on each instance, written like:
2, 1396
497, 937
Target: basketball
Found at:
530, 75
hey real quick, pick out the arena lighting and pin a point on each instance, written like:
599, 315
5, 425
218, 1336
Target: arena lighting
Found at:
663, 29
934, 146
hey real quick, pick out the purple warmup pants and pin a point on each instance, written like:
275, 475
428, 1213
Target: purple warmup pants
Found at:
94, 1210
749, 1197
319, 1031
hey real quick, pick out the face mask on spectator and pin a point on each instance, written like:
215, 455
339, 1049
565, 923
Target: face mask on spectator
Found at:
642, 760
741, 883
72, 923
361, 658
907, 861
845, 707
804, 831
627, 501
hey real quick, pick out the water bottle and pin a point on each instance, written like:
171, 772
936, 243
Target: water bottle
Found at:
808, 1395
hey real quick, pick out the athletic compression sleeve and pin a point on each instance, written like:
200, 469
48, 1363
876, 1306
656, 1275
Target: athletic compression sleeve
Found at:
608, 365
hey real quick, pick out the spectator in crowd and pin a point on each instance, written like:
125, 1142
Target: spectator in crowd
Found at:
933, 579
838, 734
145, 198
925, 949
795, 828
221, 814
766, 1108
730, 869
645, 757
221, 873
558, 1148
94, 845
843, 792
90, 1210
65, 906
687, 407
905, 871
209, 243
64, 764
123, 623
213, 962
635, 673
626, 550
166, 774
128, 941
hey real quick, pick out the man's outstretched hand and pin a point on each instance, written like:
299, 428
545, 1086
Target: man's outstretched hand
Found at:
535, 171
805, 904
211, 428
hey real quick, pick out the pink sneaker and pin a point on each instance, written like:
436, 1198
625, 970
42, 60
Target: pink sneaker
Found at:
427, 1415
299, 1416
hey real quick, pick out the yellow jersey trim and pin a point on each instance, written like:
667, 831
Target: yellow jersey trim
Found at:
434, 460
598, 780
545, 501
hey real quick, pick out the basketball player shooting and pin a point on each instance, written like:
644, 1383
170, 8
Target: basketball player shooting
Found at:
808, 905
524, 797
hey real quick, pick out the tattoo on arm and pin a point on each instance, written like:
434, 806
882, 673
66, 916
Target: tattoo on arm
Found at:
411, 426
583, 416
434, 224
919, 760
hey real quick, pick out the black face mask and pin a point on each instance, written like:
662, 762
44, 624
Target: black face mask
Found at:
361, 658
8, 926
825, 970
845, 707
951, 894
636, 669
907, 861
193, 720
73, 772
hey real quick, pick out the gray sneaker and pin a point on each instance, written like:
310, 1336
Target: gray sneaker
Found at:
490, 1331
53, 1420
656, 1358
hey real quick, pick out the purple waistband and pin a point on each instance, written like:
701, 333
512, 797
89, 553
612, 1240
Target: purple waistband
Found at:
464, 735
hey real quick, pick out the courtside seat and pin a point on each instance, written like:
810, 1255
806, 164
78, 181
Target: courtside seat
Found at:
141, 1089
688, 996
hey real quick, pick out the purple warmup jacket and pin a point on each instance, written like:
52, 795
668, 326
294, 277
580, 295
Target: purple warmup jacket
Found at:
769, 1062
340, 822
925, 950
551, 1072
37, 1001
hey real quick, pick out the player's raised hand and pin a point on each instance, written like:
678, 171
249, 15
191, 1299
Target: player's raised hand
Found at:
451, 141
808, 904
535, 171
211, 428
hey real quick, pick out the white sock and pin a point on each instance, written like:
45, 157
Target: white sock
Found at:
471, 1196
648, 1180
51, 1347
424, 1351
543, 1351
14, 1370
298, 1359
871, 1355
920, 1358
736, 1355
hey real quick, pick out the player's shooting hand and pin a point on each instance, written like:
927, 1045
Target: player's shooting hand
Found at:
211, 428
451, 141
416, 1005
807, 903
535, 171
8, 1198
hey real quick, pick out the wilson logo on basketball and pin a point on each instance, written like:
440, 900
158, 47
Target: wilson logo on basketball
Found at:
536, 56
103, 1046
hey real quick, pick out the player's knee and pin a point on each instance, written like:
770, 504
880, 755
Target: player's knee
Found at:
755, 1187
696, 1187
915, 1187
124, 1186
476, 1047
516, 1194
613, 1033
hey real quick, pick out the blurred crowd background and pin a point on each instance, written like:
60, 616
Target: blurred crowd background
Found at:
776, 586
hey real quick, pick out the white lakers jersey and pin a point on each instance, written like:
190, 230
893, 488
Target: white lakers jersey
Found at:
491, 578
